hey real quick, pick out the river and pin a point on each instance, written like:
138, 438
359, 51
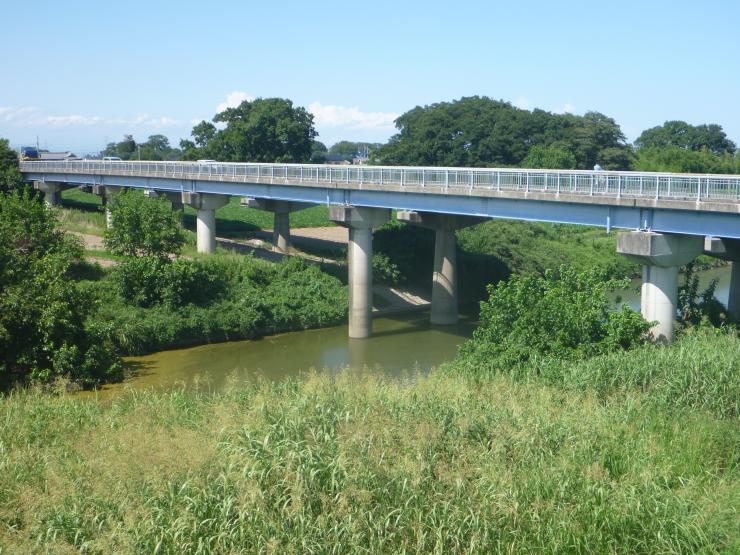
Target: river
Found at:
399, 344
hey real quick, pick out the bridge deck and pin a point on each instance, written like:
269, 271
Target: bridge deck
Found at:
678, 203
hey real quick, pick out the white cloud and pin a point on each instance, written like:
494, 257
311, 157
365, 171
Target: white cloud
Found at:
351, 117
233, 100
34, 117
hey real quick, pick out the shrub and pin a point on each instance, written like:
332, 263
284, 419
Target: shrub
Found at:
146, 281
43, 333
143, 227
565, 315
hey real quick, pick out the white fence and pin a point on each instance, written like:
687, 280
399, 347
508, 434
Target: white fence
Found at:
440, 180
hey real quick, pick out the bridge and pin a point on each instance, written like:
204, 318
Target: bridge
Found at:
672, 218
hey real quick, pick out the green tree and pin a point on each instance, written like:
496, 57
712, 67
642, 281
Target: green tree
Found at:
552, 156
566, 315
318, 152
350, 149
10, 175
479, 132
262, 130
143, 227
680, 134
42, 313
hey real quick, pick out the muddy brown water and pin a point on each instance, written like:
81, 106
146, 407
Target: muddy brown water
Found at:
400, 344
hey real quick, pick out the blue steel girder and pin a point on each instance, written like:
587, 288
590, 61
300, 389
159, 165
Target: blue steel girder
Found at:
690, 222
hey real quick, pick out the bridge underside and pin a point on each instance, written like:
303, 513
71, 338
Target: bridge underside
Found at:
586, 211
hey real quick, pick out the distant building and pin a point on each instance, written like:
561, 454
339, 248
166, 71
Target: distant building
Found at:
336, 160
47, 156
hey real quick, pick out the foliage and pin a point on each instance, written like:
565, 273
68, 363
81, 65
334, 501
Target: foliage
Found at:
261, 130
10, 175
363, 463
149, 280
694, 305
350, 149
216, 298
493, 250
566, 315
43, 332
549, 157
681, 160
385, 271
688, 137
318, 152
479, 132
143, 226
156, 147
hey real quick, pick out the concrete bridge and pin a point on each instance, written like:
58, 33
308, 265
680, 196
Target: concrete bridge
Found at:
672, 218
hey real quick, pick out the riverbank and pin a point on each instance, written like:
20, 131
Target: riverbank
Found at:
424, 464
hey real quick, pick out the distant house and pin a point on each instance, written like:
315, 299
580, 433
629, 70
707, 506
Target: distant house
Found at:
336, 159
47, 156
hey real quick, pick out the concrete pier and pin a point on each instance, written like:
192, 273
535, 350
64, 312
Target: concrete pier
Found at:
281, 220
178, 207
728, 249
52, 191
206, 204
444, 278
108, 191
661, 256
360, 221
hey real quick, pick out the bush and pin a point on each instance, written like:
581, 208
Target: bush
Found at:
143, 227
565, 316
146, 281
43, 332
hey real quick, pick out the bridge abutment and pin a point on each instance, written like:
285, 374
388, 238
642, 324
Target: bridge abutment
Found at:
444, 278
661, 255
206, 205
728, 249
360, 221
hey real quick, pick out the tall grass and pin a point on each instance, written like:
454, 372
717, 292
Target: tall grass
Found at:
365, 464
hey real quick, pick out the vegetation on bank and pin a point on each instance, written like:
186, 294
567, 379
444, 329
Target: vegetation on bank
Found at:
62, 317
628, 453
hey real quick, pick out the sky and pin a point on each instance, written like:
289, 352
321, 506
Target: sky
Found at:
79, 74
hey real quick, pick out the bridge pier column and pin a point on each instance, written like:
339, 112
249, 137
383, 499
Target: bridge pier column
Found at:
206, 204
52, 191
175, 198
661, 256
728, 249
360, 221
281, 221
107, 193
444, 278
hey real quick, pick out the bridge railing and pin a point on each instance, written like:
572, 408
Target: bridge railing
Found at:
440, 180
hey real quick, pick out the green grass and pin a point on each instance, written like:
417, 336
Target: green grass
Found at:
366, 464
233, 220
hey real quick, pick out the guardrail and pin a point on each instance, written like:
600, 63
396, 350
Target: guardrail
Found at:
440, 180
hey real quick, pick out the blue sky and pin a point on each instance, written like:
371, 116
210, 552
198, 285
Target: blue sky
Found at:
79, 73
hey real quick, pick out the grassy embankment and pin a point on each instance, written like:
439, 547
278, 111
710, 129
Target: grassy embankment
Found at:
629, 453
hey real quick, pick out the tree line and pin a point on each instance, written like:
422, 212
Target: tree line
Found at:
474, 131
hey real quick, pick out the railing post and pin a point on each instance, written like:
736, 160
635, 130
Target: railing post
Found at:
498, 181
641, 186
698, 189
619, 186
423, 177
592, 186
669, 187
527, 189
